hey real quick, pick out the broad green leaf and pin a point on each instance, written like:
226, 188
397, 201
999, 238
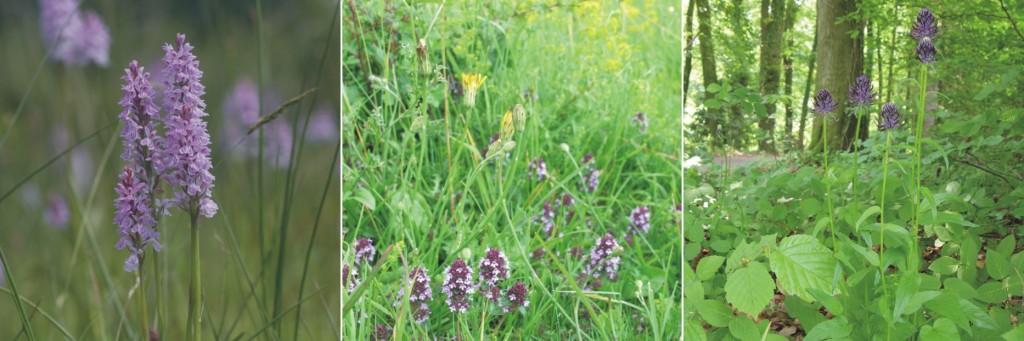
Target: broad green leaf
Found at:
709, 266
744, 329
693, 289
961, 288
909, 283
947, 304
945, 265
943, 330
997, 264
830, 302
750, 288
1007, 245
693, 330
1016, 334
801, 263
807, 313
969, 248
919, 299
715, 313
836, 328
870, 211
978, 316
993, 292
364, 197
713, 88
743, 252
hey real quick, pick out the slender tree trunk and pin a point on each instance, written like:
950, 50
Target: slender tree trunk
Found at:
892, 57
842, 59
737, 126
687, 52
807, 89
707, 60
772, 23
787, 65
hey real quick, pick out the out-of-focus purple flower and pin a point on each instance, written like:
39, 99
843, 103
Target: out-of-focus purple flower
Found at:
926, 51
134, 217
640, 220
140, 116
565, 204
81, 169
640, 121
576, 252
591, 175
348, 278
241, 109
538, 254
601, 260
365, 250
184, 159
493, 267
629, 239
420, 295
57, 213
516, 295
860, 92
925, 26
77, 38
546, 219
277, 146
458, 286
538, 169
890, 117
823, 103
381, 332
323, 126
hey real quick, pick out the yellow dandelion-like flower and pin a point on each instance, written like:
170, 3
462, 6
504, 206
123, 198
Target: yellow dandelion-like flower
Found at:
471, 82
507, 127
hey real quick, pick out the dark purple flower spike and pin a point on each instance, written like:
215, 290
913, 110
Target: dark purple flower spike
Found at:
823, 103
890, 117
861, 93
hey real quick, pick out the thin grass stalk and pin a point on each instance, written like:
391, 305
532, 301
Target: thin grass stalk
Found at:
856, 155
923, 83
17, 302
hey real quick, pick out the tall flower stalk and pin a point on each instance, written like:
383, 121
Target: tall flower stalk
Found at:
924, 31
861, 96
184, 160
824, 105
888, 120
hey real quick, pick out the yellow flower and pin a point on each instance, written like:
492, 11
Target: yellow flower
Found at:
507, 127
471, 82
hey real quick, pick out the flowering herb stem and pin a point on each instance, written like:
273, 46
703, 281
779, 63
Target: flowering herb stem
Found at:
828, 183
195, 311
143, 310
923, 83
856, 155
881, 224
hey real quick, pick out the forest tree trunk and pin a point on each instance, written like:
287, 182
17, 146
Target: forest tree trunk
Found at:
841, 60
787, 66
772, 20
707, 62
807, 89
687, 51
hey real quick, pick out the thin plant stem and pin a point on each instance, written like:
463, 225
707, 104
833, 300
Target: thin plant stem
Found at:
881, 229
14, 294
195, 313
856, 155
923, 83
143, 310
828, 183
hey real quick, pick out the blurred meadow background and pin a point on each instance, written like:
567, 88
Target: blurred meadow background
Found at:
269, 255
547, 130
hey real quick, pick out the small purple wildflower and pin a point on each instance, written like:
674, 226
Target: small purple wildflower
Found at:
926, 51
860, 92
629, 239
640, 121
538, 169
458, 286
565, 205
140, 116
323, 126
420, 295
184, 159
546, 219
94, 40
348, 278
576, 252
134, 217
493, 270
57, 213
601, 259
890, 117
381, 332
591, 175
365, 250
538, 254
823, 103
516, 295
925, 26
640, 220
241, 109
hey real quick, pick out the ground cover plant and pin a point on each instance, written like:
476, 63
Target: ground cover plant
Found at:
511, 170
167, 175
900, 220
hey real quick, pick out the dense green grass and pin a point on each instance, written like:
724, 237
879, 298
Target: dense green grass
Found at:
415, 181
259, 253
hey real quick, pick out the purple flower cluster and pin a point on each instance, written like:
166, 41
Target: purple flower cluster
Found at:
420, 295
184, 159
365, 250
140, 117
516, 295
134, 217
640, 121
639, 220
493, 270
601, 261
458, 286
889, 118
381, 332
323, 126
546, 219
77, 38
348, 278
538, 169
591, 175
242, 108
861, 93
823, 103
925, 29
57, 213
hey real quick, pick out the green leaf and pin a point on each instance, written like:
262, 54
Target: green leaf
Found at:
709, 266
744, 329
713, 103
830, 302
993, 292
997, 264
807, 313
943, 330
693, 330
870, 211
743, 252
750, 288
715, 313
919, 299
1007, 245
978, 316
801, 263
713, 88
961, 288
948, 304
1015, 334
909, 283
364, 197
945, 265
693, 289
836, 328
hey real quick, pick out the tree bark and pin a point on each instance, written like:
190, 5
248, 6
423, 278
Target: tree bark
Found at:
787, 66
737, 128
707, 61
842, 59
687, 52
772, 24
807, 89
